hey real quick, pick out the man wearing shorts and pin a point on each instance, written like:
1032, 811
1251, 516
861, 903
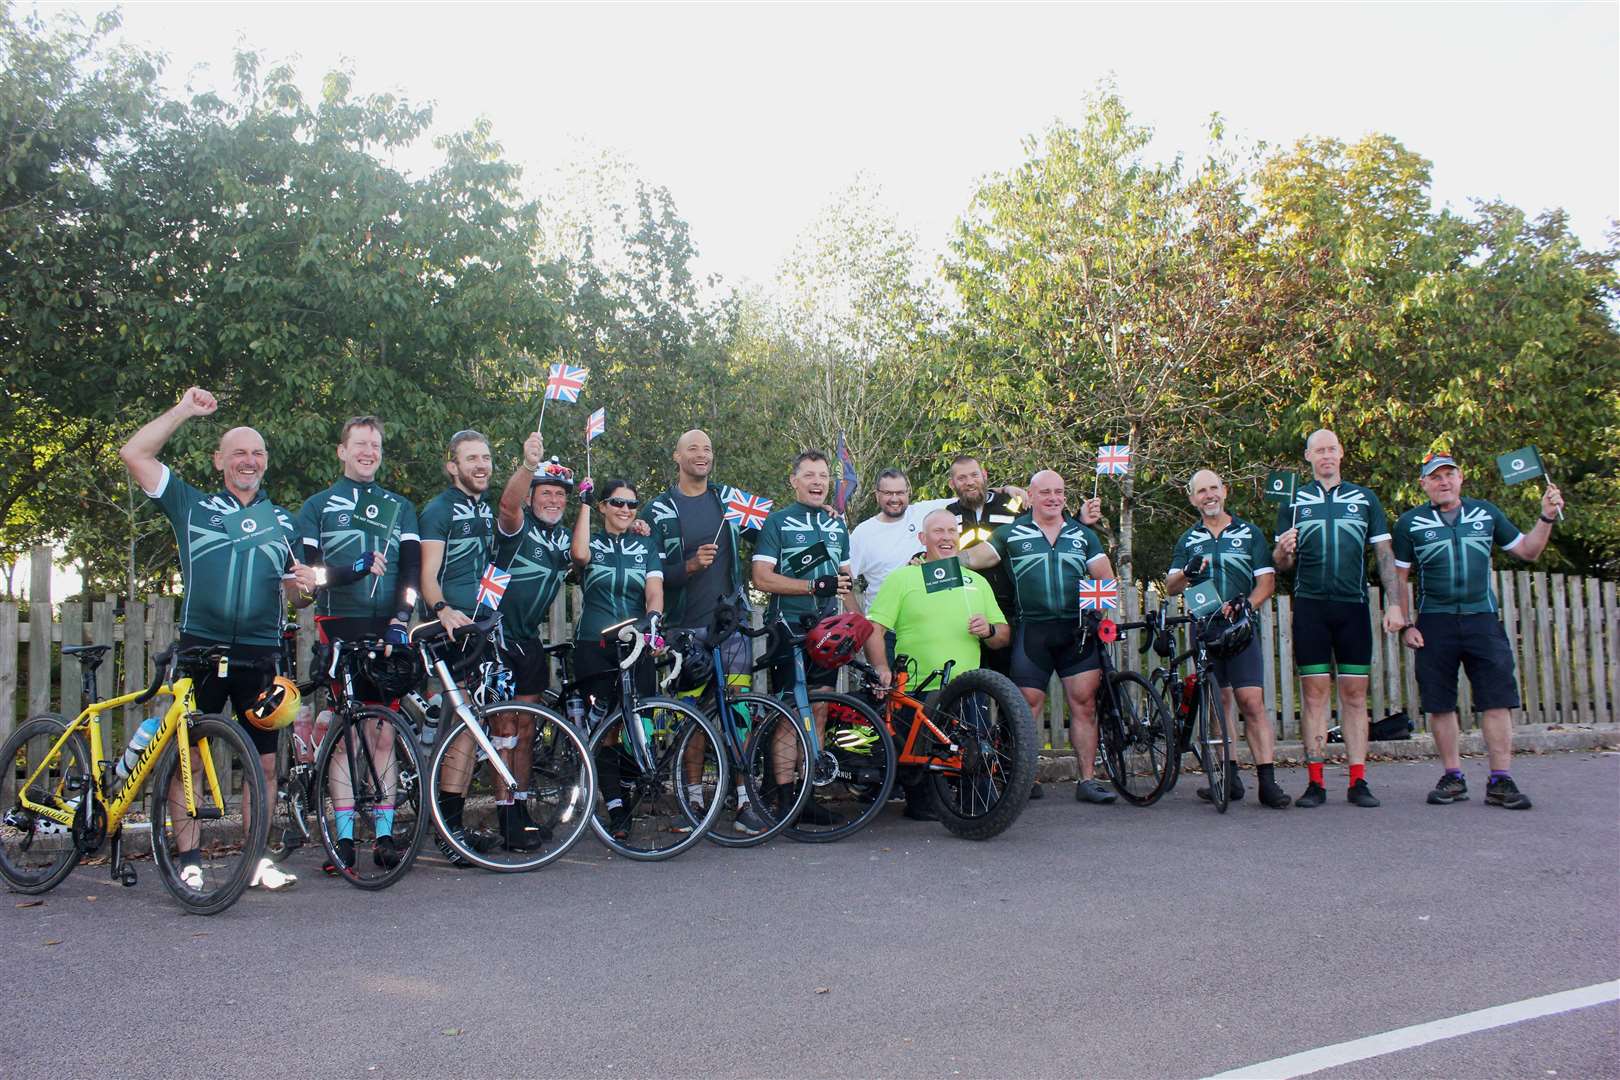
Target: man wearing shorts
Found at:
1232, 553
1323, 537
1448, 543
1049, 553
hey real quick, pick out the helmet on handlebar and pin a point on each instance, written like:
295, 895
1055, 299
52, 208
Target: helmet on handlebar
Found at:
275, 707
697, 664
1225, 637
395, 672
837, 639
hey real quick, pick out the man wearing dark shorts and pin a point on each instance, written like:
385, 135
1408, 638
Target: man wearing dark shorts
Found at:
1448, 542
531, 543
1048, 554
362, 539
1323, 537
238, 569
1233, 553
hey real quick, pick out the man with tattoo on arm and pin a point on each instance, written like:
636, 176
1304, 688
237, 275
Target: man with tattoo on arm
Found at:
1323, 537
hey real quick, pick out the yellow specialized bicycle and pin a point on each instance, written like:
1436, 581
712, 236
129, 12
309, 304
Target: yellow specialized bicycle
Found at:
62, 798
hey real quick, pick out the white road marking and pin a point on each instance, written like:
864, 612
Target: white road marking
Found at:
1388, 1042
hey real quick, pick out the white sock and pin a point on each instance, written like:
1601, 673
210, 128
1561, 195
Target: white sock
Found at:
694, 792
742, 796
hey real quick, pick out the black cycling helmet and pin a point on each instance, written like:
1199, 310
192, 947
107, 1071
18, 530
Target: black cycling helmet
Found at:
697, 664
1225, 637
553, 472
395, 673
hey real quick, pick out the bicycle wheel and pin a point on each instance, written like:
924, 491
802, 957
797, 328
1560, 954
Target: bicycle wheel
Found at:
983, 713
638, 812
853, 775
466, 798
767, 731
289, 825
36, 853
1169, 690
206, 861
1140, 739
1214, 748
363, 790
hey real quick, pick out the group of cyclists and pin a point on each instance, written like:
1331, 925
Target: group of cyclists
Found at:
374, 566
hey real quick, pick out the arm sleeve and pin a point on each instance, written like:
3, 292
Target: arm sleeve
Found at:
309, 530
410, 574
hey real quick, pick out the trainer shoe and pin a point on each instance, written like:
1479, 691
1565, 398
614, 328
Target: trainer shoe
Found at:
1505, 793
191, 872
1315, 795
619, 822
385, 852
345, 853
1036, 792
267, 875
1273, 796
520, 835
1451, 788
1362, 795
1093, 791
816, 814
749, 822
1234, 785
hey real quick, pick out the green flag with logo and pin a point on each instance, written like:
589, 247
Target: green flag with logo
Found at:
254, 525
1280, 485
808, 559
942, 574
375, 516
1203, 599
1518, 466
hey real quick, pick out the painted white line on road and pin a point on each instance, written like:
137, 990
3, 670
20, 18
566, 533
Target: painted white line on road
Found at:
1328, 1057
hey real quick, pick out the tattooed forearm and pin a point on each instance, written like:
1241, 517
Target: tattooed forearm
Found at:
1386, 572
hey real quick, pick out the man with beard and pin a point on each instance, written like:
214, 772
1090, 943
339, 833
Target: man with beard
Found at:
458, 533
532, 545
364, 539
234, 596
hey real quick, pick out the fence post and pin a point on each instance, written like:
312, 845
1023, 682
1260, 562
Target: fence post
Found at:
1285, 666
72, 634
1560, 608
8, 667
1594, 645
1510, 620
39, 631
1611, 623
1581, 698
1375, 672
1530, 668
134, 661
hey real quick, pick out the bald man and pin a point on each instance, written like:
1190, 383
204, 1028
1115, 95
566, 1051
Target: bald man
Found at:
1232, 553
1323, 537
238, 566
1049, 553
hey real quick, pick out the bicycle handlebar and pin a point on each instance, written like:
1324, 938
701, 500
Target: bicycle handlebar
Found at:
163, 666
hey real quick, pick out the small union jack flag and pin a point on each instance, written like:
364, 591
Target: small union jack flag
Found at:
1113, 460
747, 511
596, 425
565, 382
492, 586
1099, 594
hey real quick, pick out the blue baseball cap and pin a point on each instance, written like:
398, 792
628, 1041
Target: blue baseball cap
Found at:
1436, 460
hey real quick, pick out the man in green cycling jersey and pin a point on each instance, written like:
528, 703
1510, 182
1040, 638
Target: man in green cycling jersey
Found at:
1049, 553
700, 551
458, 536
1448, 543
1233, 553
531, 544
802, 561
363, 540
934, 629
1323, 537
238, 569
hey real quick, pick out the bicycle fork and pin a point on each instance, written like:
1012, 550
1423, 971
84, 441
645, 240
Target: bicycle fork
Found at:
458, 703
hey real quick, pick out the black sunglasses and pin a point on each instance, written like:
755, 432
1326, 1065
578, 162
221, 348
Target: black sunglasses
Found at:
623, 504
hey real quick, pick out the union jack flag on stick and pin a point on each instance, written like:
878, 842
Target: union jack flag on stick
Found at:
1099, 594
563, 383
492, 586
748, 511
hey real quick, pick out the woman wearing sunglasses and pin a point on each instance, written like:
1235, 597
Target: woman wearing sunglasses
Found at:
622, 579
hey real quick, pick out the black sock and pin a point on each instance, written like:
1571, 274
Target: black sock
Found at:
1268, 774
452, 805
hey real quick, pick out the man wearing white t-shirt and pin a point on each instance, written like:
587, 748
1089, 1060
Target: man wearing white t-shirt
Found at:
880, 544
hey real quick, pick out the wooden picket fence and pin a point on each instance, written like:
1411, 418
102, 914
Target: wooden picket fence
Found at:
1565, 633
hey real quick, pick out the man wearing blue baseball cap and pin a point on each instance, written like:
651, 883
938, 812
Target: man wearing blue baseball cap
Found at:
1448, 542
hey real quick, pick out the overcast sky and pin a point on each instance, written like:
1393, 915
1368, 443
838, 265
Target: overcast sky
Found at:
755, 116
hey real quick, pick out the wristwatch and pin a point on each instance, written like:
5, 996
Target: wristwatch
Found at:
1548, 520
440, 606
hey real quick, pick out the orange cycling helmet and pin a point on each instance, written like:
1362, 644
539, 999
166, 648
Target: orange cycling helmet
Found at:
837, 639
276, 705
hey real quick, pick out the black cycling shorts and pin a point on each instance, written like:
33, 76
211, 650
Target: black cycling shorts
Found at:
596, 668
1332, 634
782, 676
1477, 643
1041, 648
1247, 668
248, 671
529, 665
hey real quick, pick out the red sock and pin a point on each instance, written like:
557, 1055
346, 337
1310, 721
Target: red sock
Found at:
1358, 773
1315, 770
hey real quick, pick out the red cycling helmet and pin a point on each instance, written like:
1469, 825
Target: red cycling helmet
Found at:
837, 639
